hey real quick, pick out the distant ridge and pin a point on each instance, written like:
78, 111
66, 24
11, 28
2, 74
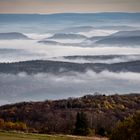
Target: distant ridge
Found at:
69, 16
67, 36
12, 35
122, 38
58, 67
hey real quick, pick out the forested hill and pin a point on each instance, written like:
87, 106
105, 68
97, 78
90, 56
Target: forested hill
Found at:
59, 116
57, 67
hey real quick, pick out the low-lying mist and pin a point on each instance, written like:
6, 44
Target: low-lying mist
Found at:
93, 59
31, 50
41, 86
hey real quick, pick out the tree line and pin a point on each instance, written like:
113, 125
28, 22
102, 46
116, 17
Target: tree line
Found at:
88, 115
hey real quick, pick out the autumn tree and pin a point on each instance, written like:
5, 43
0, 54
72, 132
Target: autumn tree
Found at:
1, 123
129, 129
8, 125
20, 126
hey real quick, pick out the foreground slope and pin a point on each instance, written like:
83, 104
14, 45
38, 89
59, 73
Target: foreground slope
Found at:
59, 116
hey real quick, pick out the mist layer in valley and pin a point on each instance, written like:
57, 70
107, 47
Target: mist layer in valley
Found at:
68, 55
41, 86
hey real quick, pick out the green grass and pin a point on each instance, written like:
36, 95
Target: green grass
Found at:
26, 136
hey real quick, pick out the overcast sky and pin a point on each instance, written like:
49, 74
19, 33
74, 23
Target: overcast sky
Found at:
65, 6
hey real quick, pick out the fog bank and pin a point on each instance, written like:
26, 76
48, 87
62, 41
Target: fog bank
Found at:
41, 86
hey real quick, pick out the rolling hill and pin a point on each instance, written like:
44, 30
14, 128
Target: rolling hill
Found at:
58, 67
13, 35
122, 38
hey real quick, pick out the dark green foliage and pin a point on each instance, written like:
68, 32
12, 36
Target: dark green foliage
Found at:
101, 131
129, 129
81, 126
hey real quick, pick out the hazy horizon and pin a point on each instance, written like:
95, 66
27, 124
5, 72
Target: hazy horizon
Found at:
66, 6
123, 12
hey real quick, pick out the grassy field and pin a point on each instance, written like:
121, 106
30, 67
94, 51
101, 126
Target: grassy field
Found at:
23, 136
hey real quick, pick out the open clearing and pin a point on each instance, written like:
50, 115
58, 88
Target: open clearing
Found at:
25, 136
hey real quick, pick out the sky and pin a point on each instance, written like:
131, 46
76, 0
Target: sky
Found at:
68, 6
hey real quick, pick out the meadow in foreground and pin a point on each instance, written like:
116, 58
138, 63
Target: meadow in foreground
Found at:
25, 136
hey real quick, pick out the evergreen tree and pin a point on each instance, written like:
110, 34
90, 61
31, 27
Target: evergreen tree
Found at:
81, 125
